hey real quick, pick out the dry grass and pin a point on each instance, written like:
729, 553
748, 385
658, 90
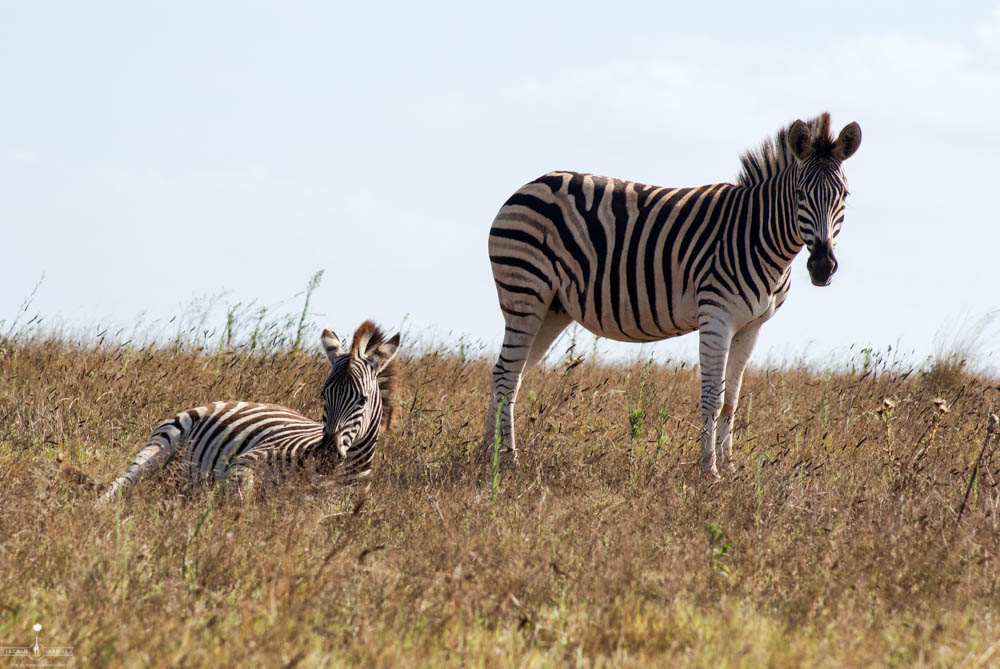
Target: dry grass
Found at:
962, 350
837, 543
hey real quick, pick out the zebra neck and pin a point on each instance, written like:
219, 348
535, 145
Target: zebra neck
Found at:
361, 452
772, 223
374, 425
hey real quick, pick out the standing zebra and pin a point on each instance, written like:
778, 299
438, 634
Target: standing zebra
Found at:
241, 438
640, 263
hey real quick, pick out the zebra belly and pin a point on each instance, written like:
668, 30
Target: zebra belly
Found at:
634, 339
621, 325
288, 445
630, 335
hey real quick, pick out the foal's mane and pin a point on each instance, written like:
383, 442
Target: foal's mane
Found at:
370, 336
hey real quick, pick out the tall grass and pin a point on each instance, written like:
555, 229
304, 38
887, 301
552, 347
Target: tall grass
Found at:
964, 349
854, 533
311, 287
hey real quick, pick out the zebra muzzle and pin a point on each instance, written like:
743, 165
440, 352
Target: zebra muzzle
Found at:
336, 440
821, 265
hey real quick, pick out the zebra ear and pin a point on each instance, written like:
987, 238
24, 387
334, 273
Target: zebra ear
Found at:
847, 142
800, 140
384, 353
331, 345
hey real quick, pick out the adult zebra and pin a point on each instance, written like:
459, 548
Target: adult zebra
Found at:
244, 438
640, 263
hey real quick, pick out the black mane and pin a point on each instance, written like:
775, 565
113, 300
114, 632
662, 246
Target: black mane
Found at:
774, 155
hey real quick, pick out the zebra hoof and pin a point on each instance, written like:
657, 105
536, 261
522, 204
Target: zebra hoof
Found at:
711, 472
505, 456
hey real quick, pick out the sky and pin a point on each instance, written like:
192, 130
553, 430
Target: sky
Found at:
156, 153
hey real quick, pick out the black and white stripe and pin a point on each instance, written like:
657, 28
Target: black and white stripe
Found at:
640, 263
245, 440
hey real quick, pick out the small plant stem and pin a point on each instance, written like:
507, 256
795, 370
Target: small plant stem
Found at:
991, 427
310, 289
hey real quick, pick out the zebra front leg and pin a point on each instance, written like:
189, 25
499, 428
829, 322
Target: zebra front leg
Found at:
740, 349
242, 480
256, 469
714, 337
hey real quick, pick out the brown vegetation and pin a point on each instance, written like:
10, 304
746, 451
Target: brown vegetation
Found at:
860, 529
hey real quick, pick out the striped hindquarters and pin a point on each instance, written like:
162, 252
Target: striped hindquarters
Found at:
213, 438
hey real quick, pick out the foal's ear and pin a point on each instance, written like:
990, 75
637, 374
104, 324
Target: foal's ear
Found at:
847, 142
331, 345
800, 140
384, 353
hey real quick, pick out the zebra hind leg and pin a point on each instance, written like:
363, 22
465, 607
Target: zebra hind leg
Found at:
158, 451
526, 339
553, 325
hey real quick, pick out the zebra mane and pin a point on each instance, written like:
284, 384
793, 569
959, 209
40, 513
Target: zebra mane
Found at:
367, 338
774, 155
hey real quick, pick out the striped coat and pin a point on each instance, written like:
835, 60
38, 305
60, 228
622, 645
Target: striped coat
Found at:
640, 263
247, 440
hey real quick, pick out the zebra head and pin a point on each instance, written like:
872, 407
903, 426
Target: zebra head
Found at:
352, 394
820, 189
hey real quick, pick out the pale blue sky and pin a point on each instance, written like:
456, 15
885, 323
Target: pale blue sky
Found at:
155, 152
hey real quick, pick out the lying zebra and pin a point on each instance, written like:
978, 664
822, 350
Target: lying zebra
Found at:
240, 439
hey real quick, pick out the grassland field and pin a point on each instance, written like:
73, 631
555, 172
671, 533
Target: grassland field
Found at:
860, 528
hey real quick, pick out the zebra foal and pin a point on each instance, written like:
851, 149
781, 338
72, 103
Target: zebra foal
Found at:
241, 439
641, 263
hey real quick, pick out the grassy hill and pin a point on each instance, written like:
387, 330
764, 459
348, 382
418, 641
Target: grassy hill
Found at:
860, 529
